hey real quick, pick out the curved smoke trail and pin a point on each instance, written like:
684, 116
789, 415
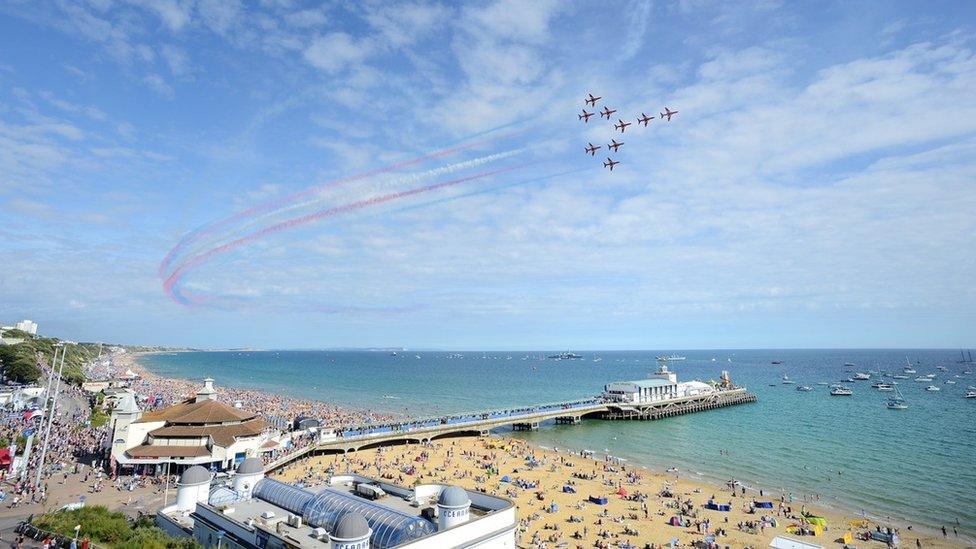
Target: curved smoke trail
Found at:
349, 194
273, 204
170, 284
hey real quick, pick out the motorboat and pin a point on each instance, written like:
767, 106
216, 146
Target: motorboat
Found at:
849, 364
824, 383
787, 380
950, 382
670, 357
861, 376
777, 362
932, 388
923, 379
971, 393
884, 387
841, 391
804, 388
899, 376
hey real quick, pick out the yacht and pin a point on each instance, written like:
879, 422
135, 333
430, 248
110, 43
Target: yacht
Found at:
566, 356
899, 376
787, 380
849, 364
923, 379
909, 369
932, 388
897, 402
884, 386
971, 393
672, 356
861, 376
804, 388
841, 391
950, 382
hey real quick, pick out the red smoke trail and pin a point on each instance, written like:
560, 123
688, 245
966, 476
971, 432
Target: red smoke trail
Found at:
308, 218
270, 205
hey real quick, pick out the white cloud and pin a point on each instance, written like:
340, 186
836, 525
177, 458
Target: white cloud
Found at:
404, 24
335, 51
159, 85
306, 19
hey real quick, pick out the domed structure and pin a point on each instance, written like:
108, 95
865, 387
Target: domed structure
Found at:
452, 496
350, 532
249, 473
250, 466
194, 475
194, 487
453, 507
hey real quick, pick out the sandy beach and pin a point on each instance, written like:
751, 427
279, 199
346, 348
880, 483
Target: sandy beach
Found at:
640, 501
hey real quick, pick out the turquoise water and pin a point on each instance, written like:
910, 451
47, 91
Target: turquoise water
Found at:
917, 464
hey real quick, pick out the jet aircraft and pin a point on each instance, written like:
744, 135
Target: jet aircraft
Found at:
610, 163
585, 116
622, 126
614, 145
668, 113
592, 100
592, 149
607, 111
644, 119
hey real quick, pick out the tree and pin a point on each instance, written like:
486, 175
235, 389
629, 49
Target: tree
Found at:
22, 370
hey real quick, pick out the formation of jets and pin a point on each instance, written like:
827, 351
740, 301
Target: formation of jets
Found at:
621, 126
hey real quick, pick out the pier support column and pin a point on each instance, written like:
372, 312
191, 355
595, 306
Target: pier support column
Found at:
531, 426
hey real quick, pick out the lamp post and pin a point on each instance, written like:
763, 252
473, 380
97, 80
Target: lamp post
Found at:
54, 404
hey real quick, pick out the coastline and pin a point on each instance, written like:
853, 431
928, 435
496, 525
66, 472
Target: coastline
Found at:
836, 509
537, 477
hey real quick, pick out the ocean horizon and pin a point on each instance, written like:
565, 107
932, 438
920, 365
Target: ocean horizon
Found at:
915, 465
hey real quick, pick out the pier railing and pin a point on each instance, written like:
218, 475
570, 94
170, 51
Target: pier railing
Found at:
524, 418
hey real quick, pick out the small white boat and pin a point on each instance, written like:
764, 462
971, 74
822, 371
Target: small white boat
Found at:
787, 380
971, 394
899, 376
885, 387
804, 388
922, 379
932, 388
861, 376
824, 383
897, 402
950, 382
841, 391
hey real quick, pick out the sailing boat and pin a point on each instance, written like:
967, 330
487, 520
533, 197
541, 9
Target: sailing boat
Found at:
897, 401
909, 369
964, 359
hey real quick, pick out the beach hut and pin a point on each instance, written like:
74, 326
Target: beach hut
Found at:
783, 542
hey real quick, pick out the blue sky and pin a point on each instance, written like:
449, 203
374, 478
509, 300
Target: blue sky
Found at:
817, 189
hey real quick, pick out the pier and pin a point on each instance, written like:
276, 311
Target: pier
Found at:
521, 419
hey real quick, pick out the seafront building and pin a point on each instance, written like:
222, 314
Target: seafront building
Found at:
659, 386
197, 431
348, 512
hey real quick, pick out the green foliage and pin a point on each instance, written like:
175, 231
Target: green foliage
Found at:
97, 523
17, 334
112, 528
154, 538
98, 417
20, 360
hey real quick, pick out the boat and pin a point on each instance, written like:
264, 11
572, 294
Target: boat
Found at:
923, 379
824, 383
777, 362
565, 356
804, 388
883, 386
932, 388
841, 391
964, 359
849, 364
861, 376
787, 380
897, 401
971, 393
950, 382
899, 376
672, 356
909, 369
942, 368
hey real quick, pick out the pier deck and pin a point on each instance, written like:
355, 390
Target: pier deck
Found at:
425, 430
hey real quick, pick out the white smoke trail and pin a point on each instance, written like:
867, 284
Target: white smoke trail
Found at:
340, 195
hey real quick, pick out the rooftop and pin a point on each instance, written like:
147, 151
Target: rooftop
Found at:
193, 412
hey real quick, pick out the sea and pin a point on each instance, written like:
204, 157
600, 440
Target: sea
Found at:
916, 465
